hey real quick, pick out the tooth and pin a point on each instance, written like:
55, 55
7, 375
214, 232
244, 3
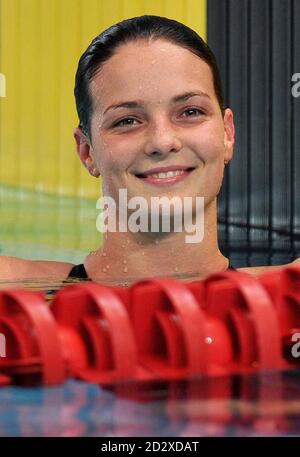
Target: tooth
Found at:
168, 174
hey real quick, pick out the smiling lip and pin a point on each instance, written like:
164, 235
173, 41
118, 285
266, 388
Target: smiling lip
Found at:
165, 175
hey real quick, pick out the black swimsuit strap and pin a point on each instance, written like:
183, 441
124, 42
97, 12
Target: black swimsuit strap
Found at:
79, 272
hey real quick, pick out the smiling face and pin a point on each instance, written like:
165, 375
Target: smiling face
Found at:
157, 128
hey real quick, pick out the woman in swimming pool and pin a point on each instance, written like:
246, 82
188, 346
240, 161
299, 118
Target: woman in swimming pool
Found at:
152, 121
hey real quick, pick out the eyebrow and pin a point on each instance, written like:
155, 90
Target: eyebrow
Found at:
138, 104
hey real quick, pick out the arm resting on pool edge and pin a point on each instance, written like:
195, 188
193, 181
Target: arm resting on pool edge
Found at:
14, 268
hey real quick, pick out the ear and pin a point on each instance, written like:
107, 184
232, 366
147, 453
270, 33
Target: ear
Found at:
85, 152
229, 134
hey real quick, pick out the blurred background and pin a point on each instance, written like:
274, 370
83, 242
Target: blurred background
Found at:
48, 200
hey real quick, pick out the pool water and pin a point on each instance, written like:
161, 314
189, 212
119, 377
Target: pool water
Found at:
35, 225
39, 226
256, 405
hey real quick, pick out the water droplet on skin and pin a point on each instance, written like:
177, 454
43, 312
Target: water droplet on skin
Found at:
104, 270
143, 252
104, 254
125, 269
176, 268
107, 266
156, 241
124, 261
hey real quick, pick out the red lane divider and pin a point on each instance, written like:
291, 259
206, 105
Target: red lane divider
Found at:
169, 328
4, 380
93, 318
157, 329
287, 303
249, 309
32, 346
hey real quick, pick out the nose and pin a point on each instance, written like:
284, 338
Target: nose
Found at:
162, 139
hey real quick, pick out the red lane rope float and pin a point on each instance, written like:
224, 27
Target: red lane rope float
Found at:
287, 303
4, 380
287, 300
92, 319
169, 328
249, 309
32, 343
158, 329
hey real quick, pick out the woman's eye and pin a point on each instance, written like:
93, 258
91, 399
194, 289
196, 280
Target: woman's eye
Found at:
193, 111
124, 122
129, 121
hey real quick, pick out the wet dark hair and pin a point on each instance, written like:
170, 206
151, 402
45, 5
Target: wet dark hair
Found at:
143, 27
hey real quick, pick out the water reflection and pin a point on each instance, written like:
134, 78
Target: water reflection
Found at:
266, 404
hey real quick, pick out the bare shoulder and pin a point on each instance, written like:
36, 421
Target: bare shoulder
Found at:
14, 268
256, 271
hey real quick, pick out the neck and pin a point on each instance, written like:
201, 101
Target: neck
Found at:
135, 255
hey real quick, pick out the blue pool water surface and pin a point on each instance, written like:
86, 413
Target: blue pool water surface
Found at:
256, 405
